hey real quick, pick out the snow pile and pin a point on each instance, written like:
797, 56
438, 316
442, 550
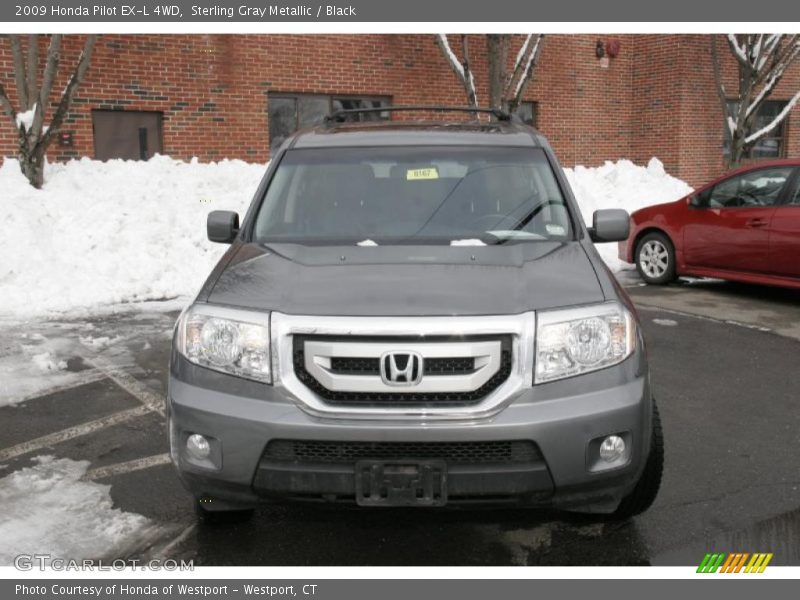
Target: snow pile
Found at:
48, 509
25, 119
622, 184
47, 362
100, 233
98, 343
103, 233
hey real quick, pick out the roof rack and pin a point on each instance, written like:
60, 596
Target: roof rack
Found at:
340, 116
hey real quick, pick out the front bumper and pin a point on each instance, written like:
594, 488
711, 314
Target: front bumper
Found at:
564, 419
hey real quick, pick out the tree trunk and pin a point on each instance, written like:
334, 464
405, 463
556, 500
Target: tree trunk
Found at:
32, 165
738, 149
497, 50
34, 139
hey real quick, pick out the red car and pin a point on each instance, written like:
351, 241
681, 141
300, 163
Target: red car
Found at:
745, 226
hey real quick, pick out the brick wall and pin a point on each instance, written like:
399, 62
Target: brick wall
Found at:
656, 98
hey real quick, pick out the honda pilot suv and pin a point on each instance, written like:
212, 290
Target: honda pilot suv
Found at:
413, 313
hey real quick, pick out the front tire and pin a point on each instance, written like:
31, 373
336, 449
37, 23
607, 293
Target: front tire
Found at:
655, 258
646, 489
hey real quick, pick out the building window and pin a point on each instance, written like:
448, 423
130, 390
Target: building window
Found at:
772, 145
290, 112
529, 112
127, 134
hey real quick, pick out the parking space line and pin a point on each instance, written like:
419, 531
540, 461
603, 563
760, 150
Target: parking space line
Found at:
163, 552
128, 383
83, 378
127, 467
73, 432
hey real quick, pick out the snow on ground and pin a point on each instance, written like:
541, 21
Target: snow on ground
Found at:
622, 184
104, 233
101, 233
39, 358
47, 508
28, 366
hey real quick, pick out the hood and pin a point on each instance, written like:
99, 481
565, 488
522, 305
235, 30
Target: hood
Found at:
407, 280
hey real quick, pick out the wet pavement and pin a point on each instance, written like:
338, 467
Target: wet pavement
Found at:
724, 371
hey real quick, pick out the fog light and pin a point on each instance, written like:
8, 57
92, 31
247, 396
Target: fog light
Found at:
612, 448
198, 446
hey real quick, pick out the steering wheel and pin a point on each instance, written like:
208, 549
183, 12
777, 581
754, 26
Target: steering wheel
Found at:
753, 201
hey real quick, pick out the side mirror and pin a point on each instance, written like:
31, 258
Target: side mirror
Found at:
610, 225
695, 201
222, 226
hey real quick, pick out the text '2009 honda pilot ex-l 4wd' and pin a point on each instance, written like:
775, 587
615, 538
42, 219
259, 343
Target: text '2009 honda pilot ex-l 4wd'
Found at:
413, 313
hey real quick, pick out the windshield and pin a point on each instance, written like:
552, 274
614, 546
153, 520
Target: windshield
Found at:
404, 195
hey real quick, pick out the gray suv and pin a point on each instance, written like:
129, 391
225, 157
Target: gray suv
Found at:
412, 313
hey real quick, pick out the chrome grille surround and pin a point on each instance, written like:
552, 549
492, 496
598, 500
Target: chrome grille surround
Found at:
519, 328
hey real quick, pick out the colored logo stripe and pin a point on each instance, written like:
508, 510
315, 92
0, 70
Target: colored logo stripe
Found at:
735, 562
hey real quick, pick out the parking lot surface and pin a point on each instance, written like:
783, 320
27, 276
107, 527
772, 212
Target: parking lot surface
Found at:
724, 371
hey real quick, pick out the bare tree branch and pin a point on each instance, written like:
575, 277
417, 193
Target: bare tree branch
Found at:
32, 68
462, 70
527, 75
505, 89
66, 99
762, 61
472, 95
737, 50
753, 138
6, 104
50, 70
497, 49
34, 138
519, 64
720, 85
19, 73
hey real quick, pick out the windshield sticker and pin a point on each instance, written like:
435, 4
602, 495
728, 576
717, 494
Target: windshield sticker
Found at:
420, 174
553, 229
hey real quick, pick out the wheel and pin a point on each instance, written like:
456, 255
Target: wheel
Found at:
655, 258
220, 517
646, 489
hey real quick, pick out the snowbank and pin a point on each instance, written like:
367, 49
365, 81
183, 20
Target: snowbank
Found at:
622, 184
103, 233
48, 509
100, 233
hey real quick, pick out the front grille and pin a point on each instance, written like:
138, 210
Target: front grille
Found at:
403, 398
312, 451
433, 366
353, 364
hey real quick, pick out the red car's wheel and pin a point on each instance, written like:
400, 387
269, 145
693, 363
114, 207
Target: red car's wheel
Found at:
655, 258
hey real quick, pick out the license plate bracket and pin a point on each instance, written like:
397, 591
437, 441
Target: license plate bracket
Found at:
401, 482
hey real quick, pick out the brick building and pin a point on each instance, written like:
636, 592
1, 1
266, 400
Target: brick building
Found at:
218, 96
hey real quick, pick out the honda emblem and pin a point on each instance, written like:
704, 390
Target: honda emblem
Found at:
401, 368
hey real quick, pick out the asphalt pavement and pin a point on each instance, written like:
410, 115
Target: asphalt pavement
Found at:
724, 370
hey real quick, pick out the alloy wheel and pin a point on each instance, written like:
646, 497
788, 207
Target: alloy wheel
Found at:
654, 259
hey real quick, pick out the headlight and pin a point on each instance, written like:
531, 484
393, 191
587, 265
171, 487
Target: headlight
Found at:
578, 340
227, 340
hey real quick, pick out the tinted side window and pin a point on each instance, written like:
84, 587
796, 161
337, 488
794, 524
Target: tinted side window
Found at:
751, 189
795, 200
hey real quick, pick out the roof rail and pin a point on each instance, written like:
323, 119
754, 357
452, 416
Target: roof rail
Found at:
340, 116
